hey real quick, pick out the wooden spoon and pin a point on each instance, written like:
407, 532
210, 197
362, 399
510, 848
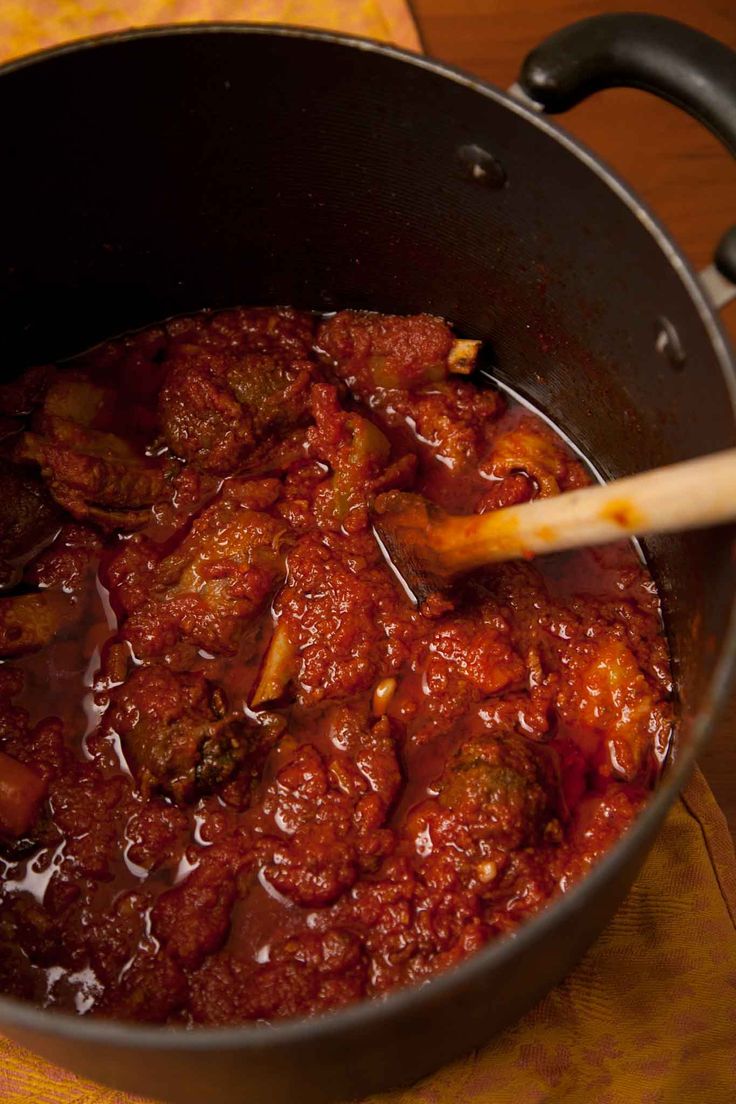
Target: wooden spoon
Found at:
427, 547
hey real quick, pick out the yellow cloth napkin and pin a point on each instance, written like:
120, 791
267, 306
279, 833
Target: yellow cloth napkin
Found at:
649, 1016
27, 25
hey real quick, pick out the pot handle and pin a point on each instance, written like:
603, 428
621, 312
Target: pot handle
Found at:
636, 50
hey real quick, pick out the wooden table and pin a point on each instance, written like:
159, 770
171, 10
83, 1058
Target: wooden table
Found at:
674, 163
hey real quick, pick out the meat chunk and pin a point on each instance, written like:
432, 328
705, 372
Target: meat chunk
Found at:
209, 587
151, 989
332, 810
347, 620
534, 451
479, 653
371, 748
360, 760
115, 494
192, 919
499, 788
386, 351
29, 621
156, 833
73, 398
315, 868
511, 490
358, 454
68, 561
28, 517
453, 419
246, 329
483, 838
462, 661
599, 820
606, 695
202, 420
90, 472
232, 383
178, 735
21, 793
132, 978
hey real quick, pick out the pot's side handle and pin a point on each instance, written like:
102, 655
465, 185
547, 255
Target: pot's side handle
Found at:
636, 50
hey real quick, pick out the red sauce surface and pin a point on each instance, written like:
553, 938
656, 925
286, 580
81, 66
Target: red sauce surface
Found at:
242, 776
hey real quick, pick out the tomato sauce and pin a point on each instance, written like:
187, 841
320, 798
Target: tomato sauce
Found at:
242, 775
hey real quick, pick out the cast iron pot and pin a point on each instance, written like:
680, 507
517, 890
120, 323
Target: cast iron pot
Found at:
162, 171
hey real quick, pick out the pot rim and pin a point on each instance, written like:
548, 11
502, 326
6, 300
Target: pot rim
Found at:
397, 1004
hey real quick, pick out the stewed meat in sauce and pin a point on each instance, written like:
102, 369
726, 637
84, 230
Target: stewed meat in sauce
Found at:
242, 776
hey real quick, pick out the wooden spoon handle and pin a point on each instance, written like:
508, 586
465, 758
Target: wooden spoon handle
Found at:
689, 495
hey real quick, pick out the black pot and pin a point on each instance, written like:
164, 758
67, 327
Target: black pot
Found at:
162, 171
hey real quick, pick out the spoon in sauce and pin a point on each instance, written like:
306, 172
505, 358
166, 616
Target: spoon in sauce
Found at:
428, 547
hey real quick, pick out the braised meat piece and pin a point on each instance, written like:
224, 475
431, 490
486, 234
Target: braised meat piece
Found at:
533, 450
490, 834
63, 571
332, 809
28, 518
246, 329
192, 919
233, 382
202, 420
342, 619
157, 834
178, 735
403, 367
387, 351
74, 398
90, 472
21, 792
600, 818
498, 788
213, 583
509, 490
358, 454
606, 694
452, 420
468, 658
29, 621
68, 561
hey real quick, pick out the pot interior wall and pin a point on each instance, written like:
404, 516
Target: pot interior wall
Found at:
153, 176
